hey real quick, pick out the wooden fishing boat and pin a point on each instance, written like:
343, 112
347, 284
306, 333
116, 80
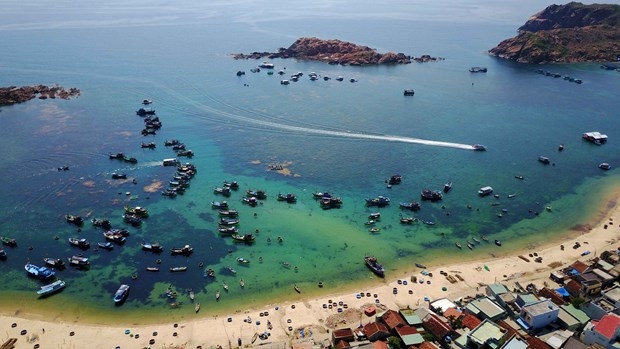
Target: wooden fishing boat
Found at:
197, 307
177, 269
297, 289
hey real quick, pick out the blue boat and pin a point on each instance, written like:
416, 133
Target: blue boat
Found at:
41, 273
121, 293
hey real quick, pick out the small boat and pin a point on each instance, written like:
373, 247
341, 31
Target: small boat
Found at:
222, 191
117, 175
470, 246
484, 191
484, 238
79, 261
152, 269
243, 260
428, 222
217, 295
81, 243
479, 147
197, 307
225, 286
432, 195
54, 262
77, 220
223, 205
210, 273
228, 221
510, 196
150, 145
51, 288
498, 242
297, 289
545, 160
604, 166
147, 101
191, 294
232, 185
8, 241
247, 238
408, 220
130, 159
145, 111
595, 137
252, 201
132, 219
321, 194
289, 198
258, 194
478, 70
374, 230
458, 245
370, 222
519, 177
114, 237
178, 269
379, 201
266, 65
153, 247
242, 283
409, 92
447, 187
561, 147
137, 211
375, 216
371, 262
106, 245
41, 273
413, 206
231, 270
422, 266
228, 213
185, 250
121, 293
229, 230
103, 223
3, 254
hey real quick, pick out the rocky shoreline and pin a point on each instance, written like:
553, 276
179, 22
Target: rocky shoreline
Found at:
13, 95
336, 52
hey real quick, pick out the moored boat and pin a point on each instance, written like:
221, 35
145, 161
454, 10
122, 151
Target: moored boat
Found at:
118, 175
595, 137
419, 265
408, 220
138, 211
432, 195
246, 238
228, 221
185, 250
222, 191
51, 288
379, 201
79, 261
478, 70
152, 269
231, 270
498, 242
409, 92
371, 262
220, 205
484, 191
228, 213
604, 166
106, 245
243, 260
290, 198
114, 237
121, 293
150, 145
413, 206
81, 243
447, 187
41, 273
8, 241
103, 223
545, 160
458, 245
223, 229
153, 247
73, 219
54, 262
177, 269
258, 194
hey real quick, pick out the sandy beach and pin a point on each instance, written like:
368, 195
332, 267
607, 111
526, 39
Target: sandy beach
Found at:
312, 319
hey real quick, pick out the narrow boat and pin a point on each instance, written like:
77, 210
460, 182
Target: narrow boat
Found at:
54, 262
420, 265
106, 245
428, 222
227, 230
81, 243
371, 262
228, 213
51, 288
152, 269
231, 270
458, 245
242, 260
197, 307
121, 293
447, 187
297, 289
217, 295
475, 240
228, 221
510, 196
413, 206
177, 269
41, 273
498, 242
242, 283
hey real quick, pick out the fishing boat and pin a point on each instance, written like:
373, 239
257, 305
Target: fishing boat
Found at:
422, 266
8, 241
177, 269
138, 211
228, 221
252, 201
54, 262
225, 286
197, 307
228, 213
432, 195
227, 230
479, 147
374, 230
545, 160
132, 219
191, 294
408, 220
232, 185
375, 216
185, 250
223, 205
121, 293
242, 283
231, 270
243, 260
103, 223
297, 289
379, 201
376, 268
447, 187
81, 243
289, 198
258, 194
246, 238
51, 288
152, 269
79, 261
222, 191
77, 220
41, 273
153, 247
413, 206
114, 236
149, 145
498, 242
484, 191
458, 245
217, 295
106, 245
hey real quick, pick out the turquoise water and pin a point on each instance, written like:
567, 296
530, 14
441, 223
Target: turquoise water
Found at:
341, 137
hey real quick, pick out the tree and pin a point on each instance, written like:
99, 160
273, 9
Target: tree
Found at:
394, 342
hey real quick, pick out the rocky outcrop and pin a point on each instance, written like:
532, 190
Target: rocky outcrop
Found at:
334, 52
13, 94
566, 33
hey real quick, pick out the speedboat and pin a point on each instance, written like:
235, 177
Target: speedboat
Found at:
479, 147
478, 70
447, 187
121, 293
409, 92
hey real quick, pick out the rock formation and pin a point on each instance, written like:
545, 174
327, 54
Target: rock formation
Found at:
566, 33
13, 94
335, 52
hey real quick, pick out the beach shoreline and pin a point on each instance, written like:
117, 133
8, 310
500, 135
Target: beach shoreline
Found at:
318, 314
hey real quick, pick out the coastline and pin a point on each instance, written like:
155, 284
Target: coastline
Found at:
308, 313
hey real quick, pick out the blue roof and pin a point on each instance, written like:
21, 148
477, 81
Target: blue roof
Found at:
562, 291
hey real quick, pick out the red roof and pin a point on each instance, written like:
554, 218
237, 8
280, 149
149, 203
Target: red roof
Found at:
452, 312
551, 294
608, 325
470, 321
580, 266
573, 287
535, 343
427, 345
406, 330
372, 328
380, 345
437, 327
392, 319
342, 344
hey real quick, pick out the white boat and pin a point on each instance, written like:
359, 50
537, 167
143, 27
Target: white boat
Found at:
595, 137
604, 166
121, 293
51, 288
484, 191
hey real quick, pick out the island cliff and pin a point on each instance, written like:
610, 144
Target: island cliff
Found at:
13, 94
566, 33
335, 52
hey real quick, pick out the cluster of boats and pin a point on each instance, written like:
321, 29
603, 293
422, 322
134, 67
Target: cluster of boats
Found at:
180, 181
122, 156
327, 200
558, 75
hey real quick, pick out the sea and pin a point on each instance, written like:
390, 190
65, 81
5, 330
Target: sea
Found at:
343, 137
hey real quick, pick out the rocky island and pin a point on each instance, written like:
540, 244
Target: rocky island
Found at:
566, 34
13, 94
335, 52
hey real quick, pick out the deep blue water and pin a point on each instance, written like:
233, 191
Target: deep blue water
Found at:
179, 56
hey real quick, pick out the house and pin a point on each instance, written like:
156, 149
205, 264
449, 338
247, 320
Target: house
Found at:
553, 295
590, 283
535, 316
452, 314
441, 305
526, 298
567, 321
469, 321
515, 342
412, 319
485, 308
392, 319
409, 335
613, 295
433, 324
574, 343
375, 331
495, 290
597, 308
573, 287
603, 332
556, 339
486, 335
344, 334
578, 267
606, 279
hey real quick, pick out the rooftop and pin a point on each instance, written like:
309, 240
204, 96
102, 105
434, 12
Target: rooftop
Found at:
486, 332
608, 325
542, 307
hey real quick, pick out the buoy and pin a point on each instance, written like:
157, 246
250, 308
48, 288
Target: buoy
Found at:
134, 276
